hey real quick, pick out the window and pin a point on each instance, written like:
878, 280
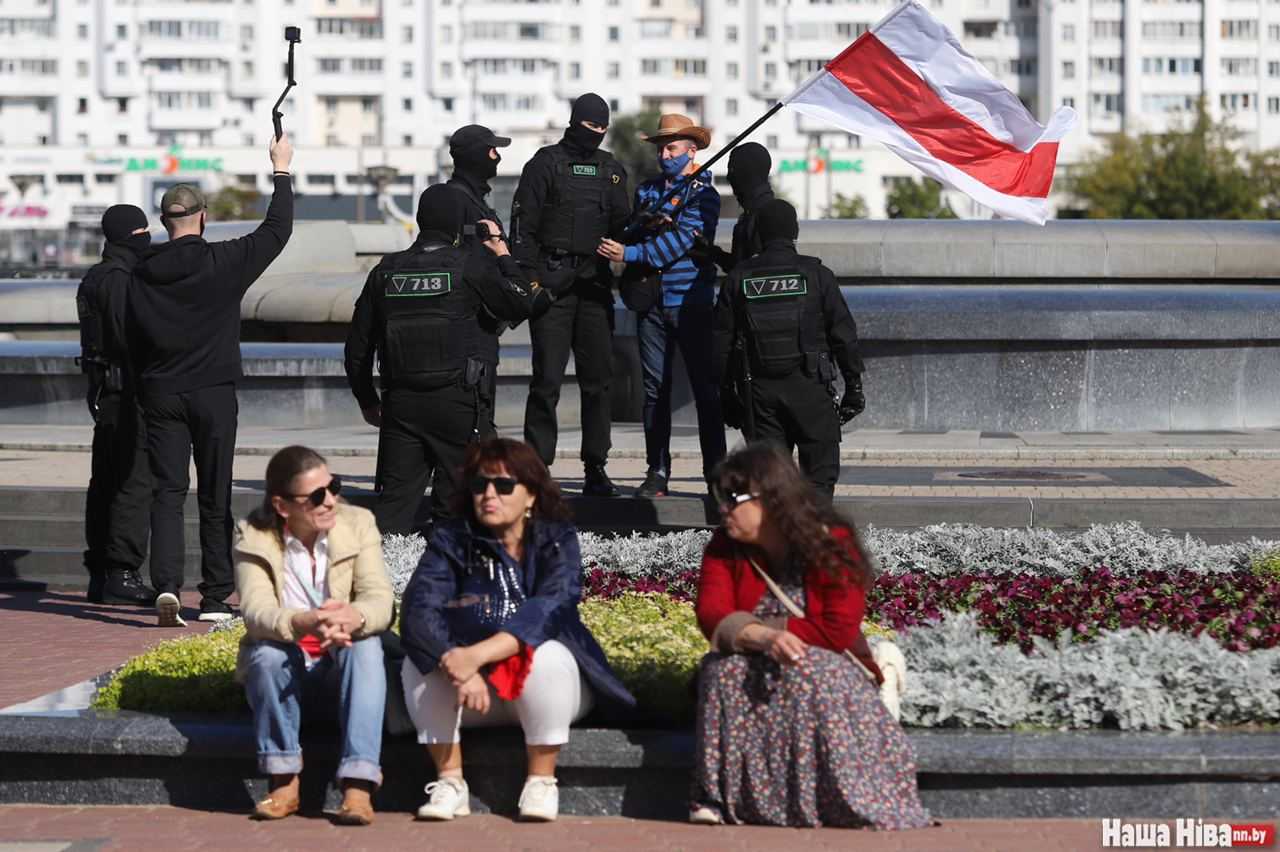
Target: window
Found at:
360, 65
731, 34
122, 69
446, 34
655, 29
82, 31
122, 105
368, 105
82, 105
122, 31
1068, 70
980, 29
1172, 30
575, 32
330, 140
1273, 106
368, 140
1246, 30
82, 68
1108, 29
1273, 32
1068, 32
246, 69
406, 34
406, 70
731, 70
1068, 102
1107, 103
1237, 101
529, 32
611, 70
330, 106
1239, 67
407, 140
731, 106
246, 33
1020, 29
447, 104
770, 71
1273, 69
407, 104
1168, 103
446, 70
1022, 67
770, 34
1104, 66
613, 33
575, 70
330, 66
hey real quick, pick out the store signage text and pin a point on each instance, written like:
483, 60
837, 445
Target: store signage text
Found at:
173, 162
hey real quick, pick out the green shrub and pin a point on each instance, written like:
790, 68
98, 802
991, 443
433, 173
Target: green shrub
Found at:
192, 674
654, 646
1267, 564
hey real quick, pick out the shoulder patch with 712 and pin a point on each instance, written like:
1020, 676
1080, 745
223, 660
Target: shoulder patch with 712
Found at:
769, 286
401, 284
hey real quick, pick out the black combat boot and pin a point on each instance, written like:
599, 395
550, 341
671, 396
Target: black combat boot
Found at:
126, 588
596, 483
654, 485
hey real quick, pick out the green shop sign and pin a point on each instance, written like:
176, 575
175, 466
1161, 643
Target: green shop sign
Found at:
173, 162
819, 163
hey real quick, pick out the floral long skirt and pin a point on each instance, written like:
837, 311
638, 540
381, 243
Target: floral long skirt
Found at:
804, 745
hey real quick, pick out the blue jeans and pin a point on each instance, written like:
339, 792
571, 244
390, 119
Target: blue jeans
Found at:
349, 687
660, 331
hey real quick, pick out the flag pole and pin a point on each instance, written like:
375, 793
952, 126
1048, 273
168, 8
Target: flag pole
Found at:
648, 212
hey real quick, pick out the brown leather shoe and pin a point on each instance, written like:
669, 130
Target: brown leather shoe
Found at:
356, 811
276, 808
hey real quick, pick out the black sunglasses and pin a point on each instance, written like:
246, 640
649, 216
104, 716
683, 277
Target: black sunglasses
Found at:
317, 497
729, 500
504, 485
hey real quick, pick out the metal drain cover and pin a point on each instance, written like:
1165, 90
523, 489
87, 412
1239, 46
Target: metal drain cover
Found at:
1032, 475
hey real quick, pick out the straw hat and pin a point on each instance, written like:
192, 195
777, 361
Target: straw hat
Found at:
676, 126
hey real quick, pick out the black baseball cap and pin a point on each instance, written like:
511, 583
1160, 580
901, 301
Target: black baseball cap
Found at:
181, 200
476, 135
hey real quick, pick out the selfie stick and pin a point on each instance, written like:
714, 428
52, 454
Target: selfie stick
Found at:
293, 35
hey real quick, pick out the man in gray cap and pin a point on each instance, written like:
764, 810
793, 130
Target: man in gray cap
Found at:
118, 501
184, 333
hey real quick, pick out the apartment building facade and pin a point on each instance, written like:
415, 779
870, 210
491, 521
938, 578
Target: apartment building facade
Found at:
111, 100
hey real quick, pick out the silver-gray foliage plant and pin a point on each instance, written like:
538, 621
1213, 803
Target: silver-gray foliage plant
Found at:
943, 548
1133, 679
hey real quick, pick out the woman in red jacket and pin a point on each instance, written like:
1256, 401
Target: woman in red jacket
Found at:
790, 730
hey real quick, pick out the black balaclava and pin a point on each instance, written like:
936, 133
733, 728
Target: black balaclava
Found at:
749, 166
119, 223
776, 224
589, 107
440, 209
473, 161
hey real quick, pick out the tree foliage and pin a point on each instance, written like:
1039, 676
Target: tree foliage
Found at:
638, 157
1190, 172
910, 199
848, 207
235, 203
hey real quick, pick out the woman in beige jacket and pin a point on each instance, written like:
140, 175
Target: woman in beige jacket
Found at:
315, 595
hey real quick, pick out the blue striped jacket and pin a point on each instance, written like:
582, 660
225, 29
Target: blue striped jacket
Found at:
696, 213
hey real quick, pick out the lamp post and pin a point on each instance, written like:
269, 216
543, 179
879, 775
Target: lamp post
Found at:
382, 176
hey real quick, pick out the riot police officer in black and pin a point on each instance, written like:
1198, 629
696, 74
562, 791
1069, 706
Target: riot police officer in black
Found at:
420, 315
571, 195
117, 517
795, 331
749, 166
474, 150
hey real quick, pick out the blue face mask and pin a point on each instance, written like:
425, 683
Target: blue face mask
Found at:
673, 167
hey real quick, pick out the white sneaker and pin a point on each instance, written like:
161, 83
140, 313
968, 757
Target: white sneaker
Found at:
446, 799
169, 608
540, 800
703, 815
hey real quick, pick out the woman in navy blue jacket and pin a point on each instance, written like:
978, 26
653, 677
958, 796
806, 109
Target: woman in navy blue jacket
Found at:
491, 631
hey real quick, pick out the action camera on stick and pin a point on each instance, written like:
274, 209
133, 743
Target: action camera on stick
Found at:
293, 35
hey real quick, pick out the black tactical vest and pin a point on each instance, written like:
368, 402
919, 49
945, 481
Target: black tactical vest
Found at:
575, 214
431, 327
780, 312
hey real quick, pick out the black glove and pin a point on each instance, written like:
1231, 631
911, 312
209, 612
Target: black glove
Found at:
853, 402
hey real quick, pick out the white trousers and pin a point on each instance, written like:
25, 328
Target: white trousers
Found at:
554, 697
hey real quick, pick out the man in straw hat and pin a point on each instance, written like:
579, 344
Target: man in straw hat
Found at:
677, 242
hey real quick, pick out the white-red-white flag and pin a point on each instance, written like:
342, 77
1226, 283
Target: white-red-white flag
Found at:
909, 84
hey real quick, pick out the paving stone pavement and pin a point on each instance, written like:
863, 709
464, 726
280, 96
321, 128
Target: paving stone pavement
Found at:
54, 640
77, 829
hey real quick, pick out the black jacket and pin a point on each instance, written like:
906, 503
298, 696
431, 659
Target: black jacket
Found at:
746, 240
495, 285
184, 302
838, 330
100, 301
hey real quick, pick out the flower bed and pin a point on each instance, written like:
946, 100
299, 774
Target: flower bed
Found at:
1115, 627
